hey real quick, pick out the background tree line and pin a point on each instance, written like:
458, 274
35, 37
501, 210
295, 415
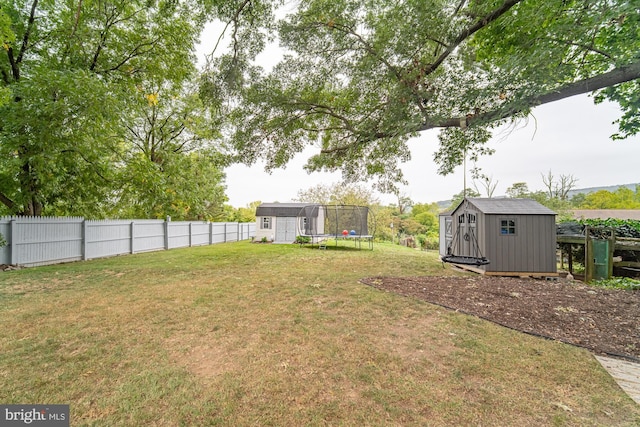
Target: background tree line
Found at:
409, 222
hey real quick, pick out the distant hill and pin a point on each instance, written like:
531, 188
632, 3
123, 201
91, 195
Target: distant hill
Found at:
443, 204
610, 188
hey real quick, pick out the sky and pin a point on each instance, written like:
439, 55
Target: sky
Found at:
570, 137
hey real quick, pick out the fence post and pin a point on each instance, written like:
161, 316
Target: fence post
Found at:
225, 233
84, 239
210, 233
166, 232
12, 240
132, 240
238, 233
190, 234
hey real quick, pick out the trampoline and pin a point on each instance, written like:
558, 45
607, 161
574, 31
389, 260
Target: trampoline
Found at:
322, 223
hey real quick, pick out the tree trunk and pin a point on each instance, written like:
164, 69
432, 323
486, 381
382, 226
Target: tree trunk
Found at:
31, 206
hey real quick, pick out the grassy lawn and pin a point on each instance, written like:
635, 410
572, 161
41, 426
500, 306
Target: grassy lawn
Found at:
251, 334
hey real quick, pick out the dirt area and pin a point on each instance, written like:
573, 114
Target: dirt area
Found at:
605, 321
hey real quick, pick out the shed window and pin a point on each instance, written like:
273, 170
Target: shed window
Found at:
471, 218
265, 223
507, 227
461, 219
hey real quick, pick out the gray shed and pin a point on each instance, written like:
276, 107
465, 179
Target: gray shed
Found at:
284, 222
517, 236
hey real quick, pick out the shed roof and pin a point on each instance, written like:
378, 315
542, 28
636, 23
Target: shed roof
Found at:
285, 209
505, 206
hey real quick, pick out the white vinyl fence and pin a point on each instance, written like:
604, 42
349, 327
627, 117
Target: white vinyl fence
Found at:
33, 241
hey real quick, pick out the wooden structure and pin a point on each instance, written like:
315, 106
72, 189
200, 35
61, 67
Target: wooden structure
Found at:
600, 244
516, 236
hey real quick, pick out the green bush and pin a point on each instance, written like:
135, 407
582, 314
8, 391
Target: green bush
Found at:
428, 242
618, 283
623, 227
303, 239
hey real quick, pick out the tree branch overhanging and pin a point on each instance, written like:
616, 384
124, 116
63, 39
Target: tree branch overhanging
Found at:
135, 52
612, 78
8, 202
465, 34
232, 21
27, 33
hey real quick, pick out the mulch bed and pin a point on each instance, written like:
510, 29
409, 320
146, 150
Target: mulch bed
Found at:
605, 321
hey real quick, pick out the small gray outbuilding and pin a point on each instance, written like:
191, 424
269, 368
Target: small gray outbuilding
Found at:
284, 222
517, 236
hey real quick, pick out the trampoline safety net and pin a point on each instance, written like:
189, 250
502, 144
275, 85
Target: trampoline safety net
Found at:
334, 220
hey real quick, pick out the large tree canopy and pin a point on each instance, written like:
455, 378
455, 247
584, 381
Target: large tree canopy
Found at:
362, 77
97, 114
72, 70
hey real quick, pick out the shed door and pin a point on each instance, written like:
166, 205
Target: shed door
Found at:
467, 235
446, 235
285, 230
